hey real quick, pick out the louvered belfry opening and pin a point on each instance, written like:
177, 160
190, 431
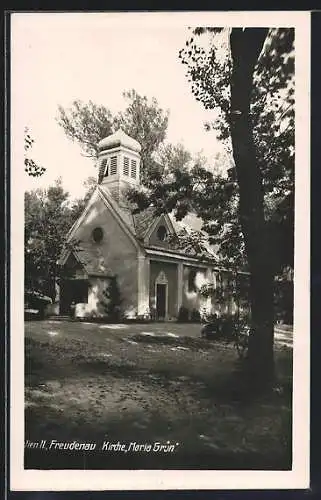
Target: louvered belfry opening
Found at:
113, 165
126, 165
119, 163
133, 169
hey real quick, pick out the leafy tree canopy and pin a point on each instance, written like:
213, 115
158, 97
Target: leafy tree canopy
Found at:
214, 196
49, 215
143, 119
87, 124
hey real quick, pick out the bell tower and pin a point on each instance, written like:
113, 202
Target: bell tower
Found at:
119, 163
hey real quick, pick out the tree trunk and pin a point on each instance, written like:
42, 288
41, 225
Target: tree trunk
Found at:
260, 355
246, 45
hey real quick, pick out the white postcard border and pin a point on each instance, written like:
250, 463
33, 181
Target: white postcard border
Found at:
298, 477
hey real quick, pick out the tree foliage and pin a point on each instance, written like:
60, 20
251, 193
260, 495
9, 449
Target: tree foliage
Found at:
204, 193
172, 156
146, 122
209, 70
31, 167
255, 102
272, 100
192, 242
247, 77
143, 119
86, 124
48, 217
213, 195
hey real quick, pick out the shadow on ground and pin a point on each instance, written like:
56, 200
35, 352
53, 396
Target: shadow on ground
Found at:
93, 385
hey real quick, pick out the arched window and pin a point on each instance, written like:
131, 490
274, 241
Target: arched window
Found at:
97, 234
161, 233
191, 281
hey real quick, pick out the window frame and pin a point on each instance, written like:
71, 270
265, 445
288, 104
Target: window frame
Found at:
100, 239
165, 233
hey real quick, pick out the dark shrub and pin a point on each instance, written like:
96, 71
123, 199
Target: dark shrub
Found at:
195, 316
112, 301
183, 314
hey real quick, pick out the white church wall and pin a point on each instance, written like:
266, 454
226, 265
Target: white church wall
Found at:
115, 254
192, 300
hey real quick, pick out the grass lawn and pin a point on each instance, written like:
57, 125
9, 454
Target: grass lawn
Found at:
147, 384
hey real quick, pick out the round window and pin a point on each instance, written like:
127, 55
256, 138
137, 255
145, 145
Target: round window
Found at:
161, 233
97, 234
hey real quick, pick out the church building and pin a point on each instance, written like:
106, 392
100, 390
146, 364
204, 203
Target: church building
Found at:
155, 279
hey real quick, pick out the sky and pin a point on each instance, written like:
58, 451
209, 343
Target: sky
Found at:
57, 58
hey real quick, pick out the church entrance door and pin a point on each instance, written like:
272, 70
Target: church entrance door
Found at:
161, 296
72, 290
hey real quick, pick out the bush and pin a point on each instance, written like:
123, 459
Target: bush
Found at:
183, 314
196, 316
209, 317
112, 301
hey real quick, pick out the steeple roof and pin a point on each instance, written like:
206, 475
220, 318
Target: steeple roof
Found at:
119, 138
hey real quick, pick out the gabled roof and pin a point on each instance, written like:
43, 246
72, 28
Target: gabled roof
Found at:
139, 223
137, 227
143, 221
88, 260
87, 255
93, 263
